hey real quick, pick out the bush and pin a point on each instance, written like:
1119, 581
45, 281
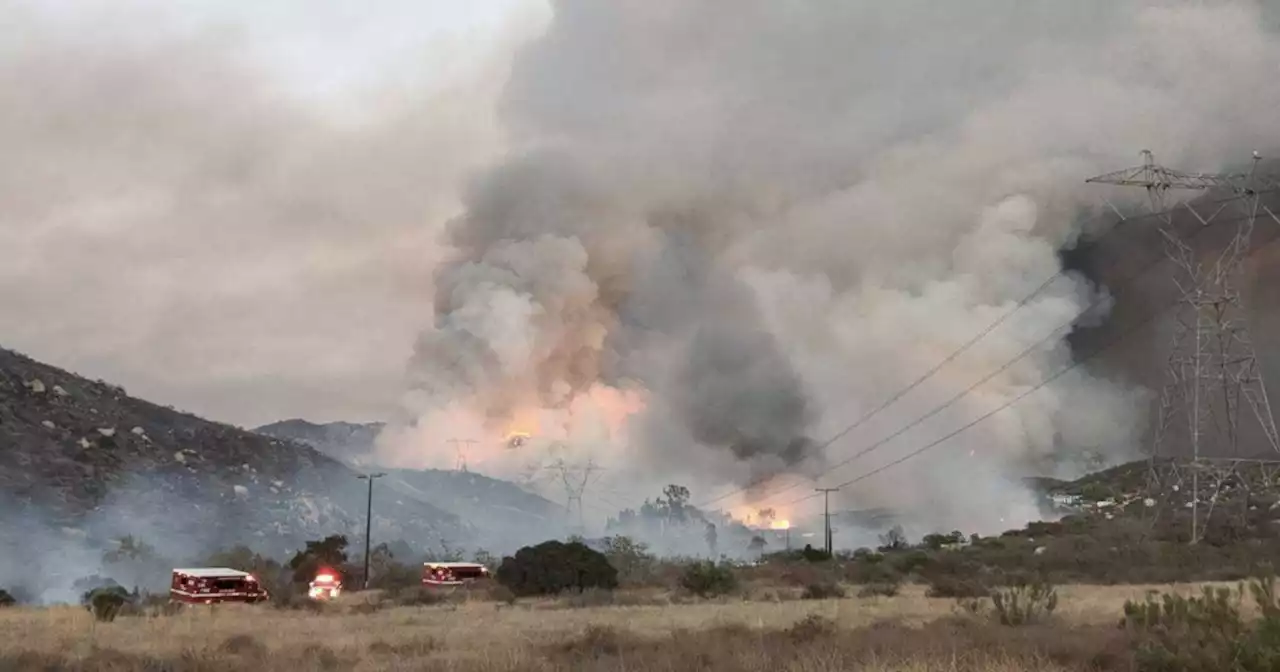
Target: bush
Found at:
1206, 633
824, 590
106, 603
811, 554
1024, 602
810, 628
553, 567
945, 585
879, 589
636, 567
500, 593
707, 579
7, 599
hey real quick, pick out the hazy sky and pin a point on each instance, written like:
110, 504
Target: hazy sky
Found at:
233, 207
321, 48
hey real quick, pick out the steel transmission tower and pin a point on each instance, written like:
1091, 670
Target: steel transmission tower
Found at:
461, 463
575, 480
1212, 366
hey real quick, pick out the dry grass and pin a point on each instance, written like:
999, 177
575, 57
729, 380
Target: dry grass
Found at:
908, 632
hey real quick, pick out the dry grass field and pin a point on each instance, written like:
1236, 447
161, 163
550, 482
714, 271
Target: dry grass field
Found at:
907, 632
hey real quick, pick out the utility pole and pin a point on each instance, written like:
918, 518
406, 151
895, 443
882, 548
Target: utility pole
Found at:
368, 524
826, 515
461, 464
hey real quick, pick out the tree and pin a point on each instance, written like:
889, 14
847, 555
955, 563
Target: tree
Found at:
677, 499
631, 558
757, 545
485, 558
386, 572
711, 538
330, 552
553, 566
766, 516
129, 549
894, 540
269, 572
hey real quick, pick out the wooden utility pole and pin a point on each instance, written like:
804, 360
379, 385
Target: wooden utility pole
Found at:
368, 525
826, 516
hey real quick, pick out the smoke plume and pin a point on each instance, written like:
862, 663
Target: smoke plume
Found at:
765, 218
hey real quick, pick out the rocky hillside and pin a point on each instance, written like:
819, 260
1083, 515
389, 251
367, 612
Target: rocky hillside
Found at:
90, 462
346, 441
504, 515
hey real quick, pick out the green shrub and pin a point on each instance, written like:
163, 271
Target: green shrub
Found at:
553, 567
107, 602
707, 579
1024, 602
811, 554
946, 585
1207, 633
635, 565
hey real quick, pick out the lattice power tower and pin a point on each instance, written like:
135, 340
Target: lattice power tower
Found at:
1212, 367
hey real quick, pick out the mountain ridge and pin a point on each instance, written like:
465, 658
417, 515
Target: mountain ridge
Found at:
82, 460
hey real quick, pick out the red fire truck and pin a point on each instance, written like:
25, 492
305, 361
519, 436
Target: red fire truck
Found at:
326, 586
210, 585
452, 573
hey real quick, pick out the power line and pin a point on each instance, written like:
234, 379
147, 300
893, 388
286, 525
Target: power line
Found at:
950, 358
1020, 397
950, 402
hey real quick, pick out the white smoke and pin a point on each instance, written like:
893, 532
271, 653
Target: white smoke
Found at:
765, 218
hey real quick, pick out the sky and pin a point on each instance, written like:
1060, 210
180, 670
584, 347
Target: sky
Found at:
233, 207
325, 50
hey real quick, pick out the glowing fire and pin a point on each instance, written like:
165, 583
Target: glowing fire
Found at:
517, 438
750, 516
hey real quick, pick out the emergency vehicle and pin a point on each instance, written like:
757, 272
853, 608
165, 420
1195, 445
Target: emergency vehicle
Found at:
326, 586
452, 573
210, 585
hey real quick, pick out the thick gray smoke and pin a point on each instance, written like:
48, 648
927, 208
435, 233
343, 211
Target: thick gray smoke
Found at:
764, 218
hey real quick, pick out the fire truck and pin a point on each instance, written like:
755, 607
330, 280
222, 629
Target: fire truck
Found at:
452, 573
211, 585
326, 586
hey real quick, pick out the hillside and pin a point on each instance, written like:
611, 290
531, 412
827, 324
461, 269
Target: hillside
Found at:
346, 441
504, 515
89, 462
